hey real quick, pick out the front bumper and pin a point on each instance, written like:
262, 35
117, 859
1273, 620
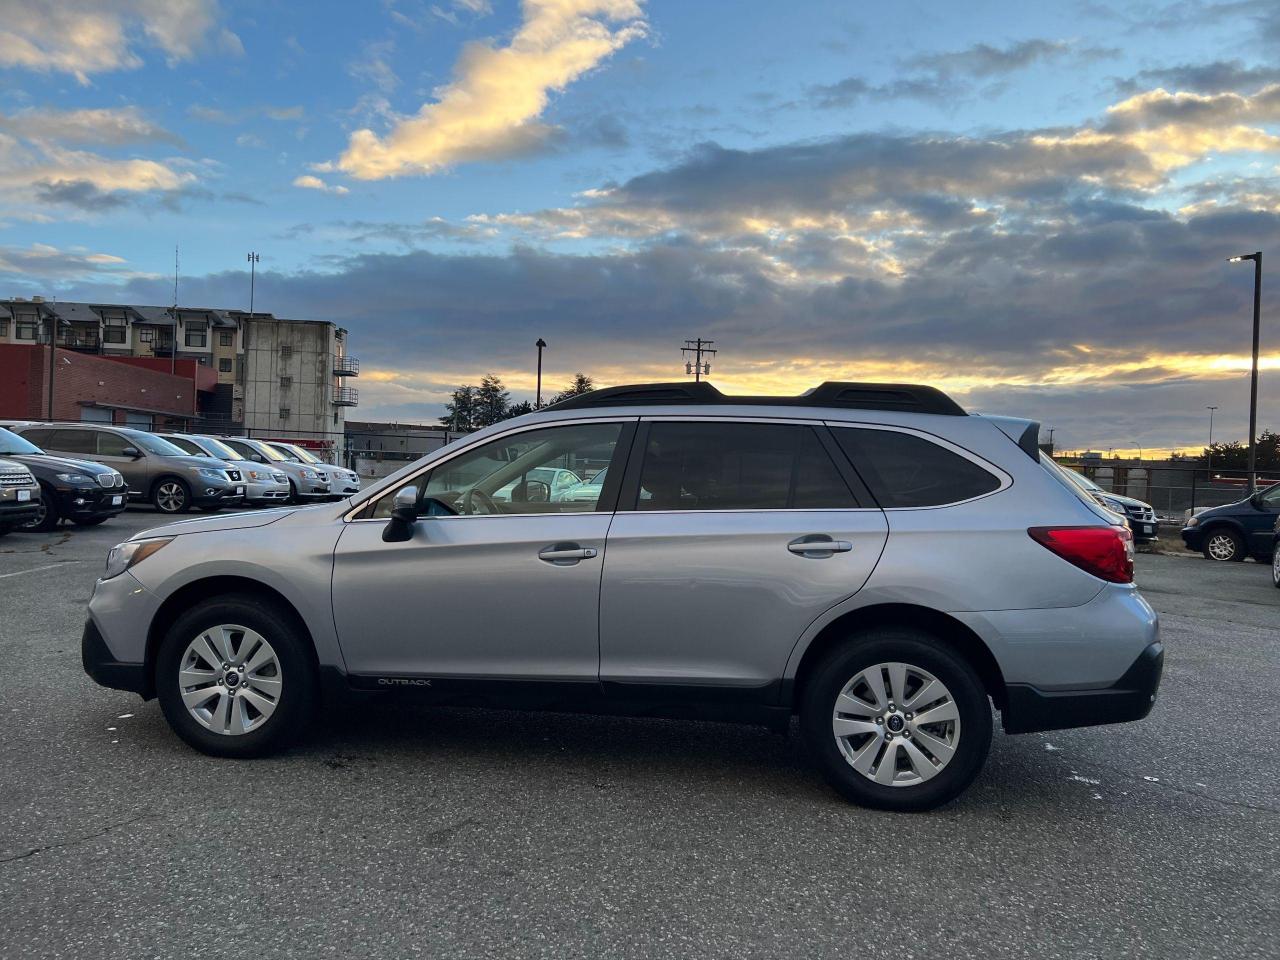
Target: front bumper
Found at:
1193, 537
266, 491
105, 670
1028, 709
208, 492
80, 503
14, 511
1144, 531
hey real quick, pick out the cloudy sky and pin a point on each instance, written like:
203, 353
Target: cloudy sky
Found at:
1027, 204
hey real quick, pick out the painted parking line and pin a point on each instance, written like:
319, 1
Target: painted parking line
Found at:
47, 566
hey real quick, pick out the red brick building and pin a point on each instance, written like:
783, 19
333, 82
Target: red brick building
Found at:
137, 391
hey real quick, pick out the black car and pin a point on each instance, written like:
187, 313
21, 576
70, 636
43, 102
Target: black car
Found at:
1236, 530
83, 492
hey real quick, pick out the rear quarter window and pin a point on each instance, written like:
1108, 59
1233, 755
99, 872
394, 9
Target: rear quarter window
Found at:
905, 470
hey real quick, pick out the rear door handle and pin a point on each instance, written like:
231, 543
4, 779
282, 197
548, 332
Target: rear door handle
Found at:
816, 546
566, 554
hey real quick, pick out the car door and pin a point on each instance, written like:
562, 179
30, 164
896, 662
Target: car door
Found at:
109, 450
484, 587
731, 538
1261, 523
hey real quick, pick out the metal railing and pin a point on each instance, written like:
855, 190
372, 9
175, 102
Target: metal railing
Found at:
346, 367
346, 397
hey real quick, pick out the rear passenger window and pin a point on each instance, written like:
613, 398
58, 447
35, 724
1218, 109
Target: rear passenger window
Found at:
903, 470
66, 441
738, 466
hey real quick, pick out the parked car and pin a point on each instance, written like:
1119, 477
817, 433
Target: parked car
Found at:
1141, 517
342, 482
19, 495
81, 491
307, 484
262, 483
1275, 554
865, 555
540, 483
154, 469
1236, 530
584, 490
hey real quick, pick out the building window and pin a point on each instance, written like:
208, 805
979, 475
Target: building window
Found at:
224, 365
286, 383
113, 333
146, 335
227, 338
26, 331
197, 334
4, 328
284, 413
286, 351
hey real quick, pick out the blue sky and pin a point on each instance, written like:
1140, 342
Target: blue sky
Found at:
1028, 204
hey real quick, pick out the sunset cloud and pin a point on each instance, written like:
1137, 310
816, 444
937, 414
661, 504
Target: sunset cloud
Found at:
491, 109
308, 182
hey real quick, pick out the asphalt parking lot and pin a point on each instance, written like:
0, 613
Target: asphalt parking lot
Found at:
448, 832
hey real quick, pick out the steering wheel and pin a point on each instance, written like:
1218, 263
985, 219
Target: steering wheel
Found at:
476, 494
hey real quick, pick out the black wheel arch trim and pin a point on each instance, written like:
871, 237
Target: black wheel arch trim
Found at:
1029, 709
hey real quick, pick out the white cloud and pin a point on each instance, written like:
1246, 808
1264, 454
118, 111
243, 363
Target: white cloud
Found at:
42, 169
308, 182
491, 108
99, 126
84, 37
41, 260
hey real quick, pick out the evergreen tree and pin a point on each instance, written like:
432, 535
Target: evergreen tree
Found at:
581, 384
461, 409
491, 399
519, 409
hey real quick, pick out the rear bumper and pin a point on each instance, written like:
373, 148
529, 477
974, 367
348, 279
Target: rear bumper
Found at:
1029, 709
105, 670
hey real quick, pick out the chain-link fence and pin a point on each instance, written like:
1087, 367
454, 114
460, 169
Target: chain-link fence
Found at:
1174, 488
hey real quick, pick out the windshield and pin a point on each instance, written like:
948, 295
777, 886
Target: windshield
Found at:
12, 443
267, 450
1082, 481
1070, 479
219, 449
156, 445
301, 454
1271, 495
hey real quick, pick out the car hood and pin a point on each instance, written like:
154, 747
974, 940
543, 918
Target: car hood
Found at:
1128, 501
59, 463
1225, 509
234, 521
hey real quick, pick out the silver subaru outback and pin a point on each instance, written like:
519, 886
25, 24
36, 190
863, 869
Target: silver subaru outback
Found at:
865, 556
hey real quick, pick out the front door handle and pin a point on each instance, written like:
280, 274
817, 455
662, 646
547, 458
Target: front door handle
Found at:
566, 554
816, 546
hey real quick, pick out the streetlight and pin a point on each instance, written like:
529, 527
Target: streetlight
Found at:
1209, 469
1253, 382
253, 265
541, 345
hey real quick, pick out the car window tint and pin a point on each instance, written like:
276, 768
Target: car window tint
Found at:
904, 470
112, 445
738, 466
186, 446
1271, 496
517, 474
69, 441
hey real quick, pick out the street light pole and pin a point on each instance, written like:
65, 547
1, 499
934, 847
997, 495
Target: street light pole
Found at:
1209, 468
1253, 380
253, 265
541, 345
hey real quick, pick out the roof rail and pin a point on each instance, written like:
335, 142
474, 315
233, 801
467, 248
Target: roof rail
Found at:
905, 397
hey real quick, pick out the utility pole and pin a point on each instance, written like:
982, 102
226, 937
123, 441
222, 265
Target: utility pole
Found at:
541, 345
1253, 380
1209, 470
698, 348
253, 265
53, 353
173, 343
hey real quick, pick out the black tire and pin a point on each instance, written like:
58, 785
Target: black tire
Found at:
90, 521
298, 691
1220, 535
916, 649
48, 517
171, 496
293, 492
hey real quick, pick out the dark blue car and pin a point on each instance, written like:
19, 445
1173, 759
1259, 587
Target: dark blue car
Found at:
1237, 530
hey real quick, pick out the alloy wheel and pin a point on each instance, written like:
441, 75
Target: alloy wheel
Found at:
42, 514
230, 679
1221, 546
896, 724
1275, 566
170, 497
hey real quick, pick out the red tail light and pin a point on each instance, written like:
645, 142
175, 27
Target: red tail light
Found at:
1106, 552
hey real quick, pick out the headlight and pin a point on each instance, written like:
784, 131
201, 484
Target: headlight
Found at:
125, 555
254, 475
75, 478
212, 474
1193, 522
310, 475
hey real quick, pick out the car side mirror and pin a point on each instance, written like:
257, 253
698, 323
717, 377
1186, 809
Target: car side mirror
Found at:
531, 491
257, 458
404, 513
131, 452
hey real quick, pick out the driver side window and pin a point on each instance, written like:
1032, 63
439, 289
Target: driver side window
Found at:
529, 472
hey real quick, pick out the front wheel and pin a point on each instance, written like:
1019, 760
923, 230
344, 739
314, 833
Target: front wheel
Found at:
47, 518
1275, 566
235, 678
1223, 545
896, 720
171, 496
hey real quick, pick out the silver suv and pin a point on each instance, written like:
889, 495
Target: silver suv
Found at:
154, 469
866, 556
307, 484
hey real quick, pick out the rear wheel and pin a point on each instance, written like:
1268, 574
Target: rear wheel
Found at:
235, 678
1223, 545
47, 518
171, 496
896, 721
